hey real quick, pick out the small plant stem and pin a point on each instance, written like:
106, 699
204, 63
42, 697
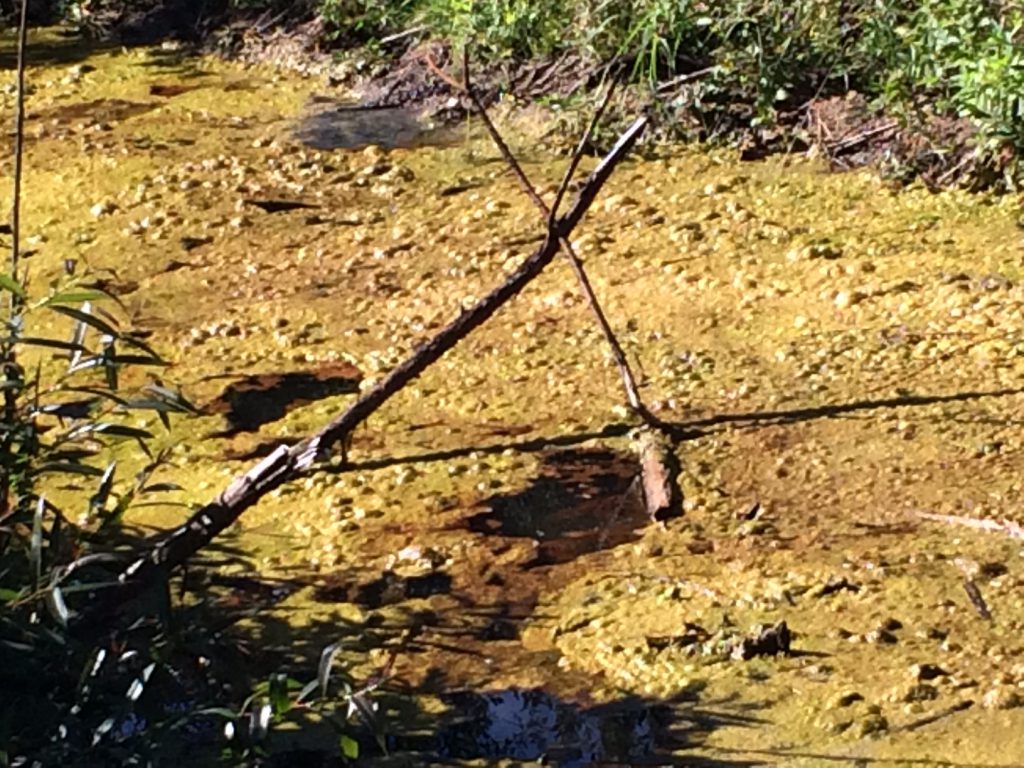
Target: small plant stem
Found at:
19, 139
7, 350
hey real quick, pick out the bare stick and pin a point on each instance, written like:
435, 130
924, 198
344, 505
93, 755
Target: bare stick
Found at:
286, 462
1008, 527
11, 371
628, 380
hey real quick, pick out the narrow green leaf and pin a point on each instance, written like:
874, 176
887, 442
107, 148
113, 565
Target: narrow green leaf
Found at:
349, 747
227, 714
98, 502
278, 692
99, 392
138, 685
72, 455
69, 468
307, 691
8, 283
160, 406
134, 341
259, 722
327, 657
10, 595
75, 297
36, 341
110, 365
107, 428
120, 430
36, 545
85, 316
56, 605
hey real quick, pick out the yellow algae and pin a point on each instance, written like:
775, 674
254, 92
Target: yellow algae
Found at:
849, 354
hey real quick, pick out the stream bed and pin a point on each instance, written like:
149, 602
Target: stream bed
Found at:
847, 357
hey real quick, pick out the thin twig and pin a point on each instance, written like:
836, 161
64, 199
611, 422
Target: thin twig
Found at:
848, 142
628, 380
19, 139
404, 34
689, 77
1009, 527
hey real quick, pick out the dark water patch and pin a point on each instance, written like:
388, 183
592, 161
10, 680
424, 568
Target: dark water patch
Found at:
345, 126
390, 588
170, 90
95, 111
532, 724
582, 502
259, 399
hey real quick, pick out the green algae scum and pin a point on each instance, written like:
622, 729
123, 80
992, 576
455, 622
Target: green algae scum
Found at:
846, 357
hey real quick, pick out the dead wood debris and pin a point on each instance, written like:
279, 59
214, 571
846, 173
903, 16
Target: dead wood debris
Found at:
659, 475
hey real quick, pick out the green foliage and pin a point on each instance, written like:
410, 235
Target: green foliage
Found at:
757, 58
363, 20
64, 406
655, 34
966, 59
499, 28
126, 691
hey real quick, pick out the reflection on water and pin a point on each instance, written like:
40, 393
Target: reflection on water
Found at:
531, 724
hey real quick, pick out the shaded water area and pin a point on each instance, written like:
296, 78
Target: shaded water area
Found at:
846, 356
349, 126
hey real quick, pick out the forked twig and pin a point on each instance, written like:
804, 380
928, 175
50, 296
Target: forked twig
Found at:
628, 380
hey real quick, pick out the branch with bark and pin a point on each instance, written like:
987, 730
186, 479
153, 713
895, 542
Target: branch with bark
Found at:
286, 463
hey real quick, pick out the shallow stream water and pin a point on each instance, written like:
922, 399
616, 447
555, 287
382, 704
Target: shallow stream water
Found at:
846, 355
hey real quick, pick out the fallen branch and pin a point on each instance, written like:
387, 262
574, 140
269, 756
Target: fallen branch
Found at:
286, 463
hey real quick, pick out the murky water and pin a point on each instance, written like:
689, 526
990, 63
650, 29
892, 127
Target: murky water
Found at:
848, 356
349, 126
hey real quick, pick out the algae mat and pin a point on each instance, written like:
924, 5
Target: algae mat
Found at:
847, 357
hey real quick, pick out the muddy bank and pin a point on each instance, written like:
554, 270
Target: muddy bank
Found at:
832, 113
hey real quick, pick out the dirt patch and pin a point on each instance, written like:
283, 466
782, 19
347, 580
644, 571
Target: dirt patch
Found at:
940, 151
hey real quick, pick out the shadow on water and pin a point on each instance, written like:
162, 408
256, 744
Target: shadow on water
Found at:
347, 126
97, 110
53, 49
443, 699
583, 501
532, 725
258, 399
